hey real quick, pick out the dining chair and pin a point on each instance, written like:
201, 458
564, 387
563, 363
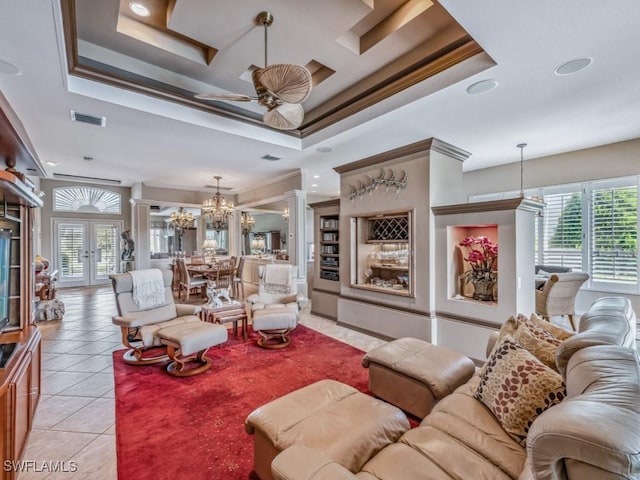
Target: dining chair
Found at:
197, 260
238, 284
224, 275
187, 282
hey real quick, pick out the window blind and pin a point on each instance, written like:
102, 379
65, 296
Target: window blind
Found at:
562, 237
614, 234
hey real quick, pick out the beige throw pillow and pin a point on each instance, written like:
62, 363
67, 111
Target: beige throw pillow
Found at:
516, 387
537, 341
559, 333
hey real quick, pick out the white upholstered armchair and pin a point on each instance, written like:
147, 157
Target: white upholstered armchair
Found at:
274, 309
558, 295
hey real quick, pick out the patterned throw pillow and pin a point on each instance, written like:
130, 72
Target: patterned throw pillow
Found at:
559, 333
536, 340
516, 387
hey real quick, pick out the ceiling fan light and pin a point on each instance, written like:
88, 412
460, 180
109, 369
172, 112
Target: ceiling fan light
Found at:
291, 83
287, 116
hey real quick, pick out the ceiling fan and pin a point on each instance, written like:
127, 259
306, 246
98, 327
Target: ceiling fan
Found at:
280, 87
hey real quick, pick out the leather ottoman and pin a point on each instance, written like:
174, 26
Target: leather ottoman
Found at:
345, 424
413, 374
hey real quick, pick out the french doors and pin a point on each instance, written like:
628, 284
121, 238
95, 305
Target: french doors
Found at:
86, 252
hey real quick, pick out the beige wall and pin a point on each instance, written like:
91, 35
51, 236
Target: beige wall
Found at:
608, 161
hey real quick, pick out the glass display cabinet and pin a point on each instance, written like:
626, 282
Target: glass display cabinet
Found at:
383, 253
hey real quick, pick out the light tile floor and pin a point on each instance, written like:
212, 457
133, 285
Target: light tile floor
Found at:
75, 420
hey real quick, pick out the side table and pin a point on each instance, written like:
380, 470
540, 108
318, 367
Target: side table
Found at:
229, 312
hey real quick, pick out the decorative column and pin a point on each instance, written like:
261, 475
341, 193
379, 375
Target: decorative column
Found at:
296, 241
140, 215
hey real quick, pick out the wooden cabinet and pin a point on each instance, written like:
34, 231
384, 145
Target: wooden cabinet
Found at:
19, 394
20, 340
327, 255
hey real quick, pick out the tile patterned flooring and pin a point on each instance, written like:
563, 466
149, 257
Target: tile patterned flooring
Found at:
75, 419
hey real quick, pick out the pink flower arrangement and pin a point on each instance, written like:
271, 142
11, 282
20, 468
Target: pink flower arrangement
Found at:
482, 254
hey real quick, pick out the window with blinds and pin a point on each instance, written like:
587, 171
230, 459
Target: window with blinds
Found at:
72, 243
614, 234
562, 239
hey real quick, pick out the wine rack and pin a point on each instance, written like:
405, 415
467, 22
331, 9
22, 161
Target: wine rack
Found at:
389, 229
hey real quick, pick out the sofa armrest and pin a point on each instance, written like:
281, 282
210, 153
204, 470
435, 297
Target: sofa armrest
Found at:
302, 463
183, 309
563, 439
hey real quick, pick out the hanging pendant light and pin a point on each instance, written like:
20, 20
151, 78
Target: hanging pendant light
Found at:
218, 208
521, 147
182, 219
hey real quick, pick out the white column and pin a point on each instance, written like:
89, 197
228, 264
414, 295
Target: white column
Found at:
296, 241
140, 223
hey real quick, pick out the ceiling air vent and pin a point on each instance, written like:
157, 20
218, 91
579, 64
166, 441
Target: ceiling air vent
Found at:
86, 118
271, 158
80, 178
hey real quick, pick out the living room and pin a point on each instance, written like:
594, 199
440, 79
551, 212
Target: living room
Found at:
159, 152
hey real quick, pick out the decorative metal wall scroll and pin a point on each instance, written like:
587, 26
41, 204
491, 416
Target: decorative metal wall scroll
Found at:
382, 180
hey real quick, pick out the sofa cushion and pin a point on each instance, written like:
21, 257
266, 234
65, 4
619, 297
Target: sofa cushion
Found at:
459, 439
517, 387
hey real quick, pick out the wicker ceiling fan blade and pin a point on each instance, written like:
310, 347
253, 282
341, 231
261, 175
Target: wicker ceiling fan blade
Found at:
227, 97
290, 83
287, 116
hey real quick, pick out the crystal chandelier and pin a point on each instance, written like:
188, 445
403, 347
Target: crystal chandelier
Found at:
182, 219
218, 208
247, 222
285, 215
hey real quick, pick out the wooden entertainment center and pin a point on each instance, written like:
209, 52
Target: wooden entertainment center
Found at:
20, 340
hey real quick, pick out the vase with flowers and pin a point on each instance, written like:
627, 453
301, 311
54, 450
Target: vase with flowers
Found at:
482, 255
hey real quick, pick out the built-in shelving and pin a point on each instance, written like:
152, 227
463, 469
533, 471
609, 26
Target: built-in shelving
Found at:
327, 263
329, 247
384, 253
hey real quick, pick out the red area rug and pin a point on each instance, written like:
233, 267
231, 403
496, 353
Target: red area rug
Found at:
173, 428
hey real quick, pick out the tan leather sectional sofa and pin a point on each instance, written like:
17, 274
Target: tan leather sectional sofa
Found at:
593, 434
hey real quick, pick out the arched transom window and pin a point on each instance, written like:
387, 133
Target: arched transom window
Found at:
86, 200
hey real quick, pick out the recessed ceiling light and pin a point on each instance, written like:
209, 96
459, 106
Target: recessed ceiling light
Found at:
324, 149
9, 68
139, 9
313, 191
573, 66
271, 158
314, 184
316, 176
482, 86
53, 164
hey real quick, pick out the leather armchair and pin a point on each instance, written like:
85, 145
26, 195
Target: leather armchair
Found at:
277, 288
140, 327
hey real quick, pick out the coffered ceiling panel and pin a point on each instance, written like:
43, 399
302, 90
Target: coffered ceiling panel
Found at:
360, 51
